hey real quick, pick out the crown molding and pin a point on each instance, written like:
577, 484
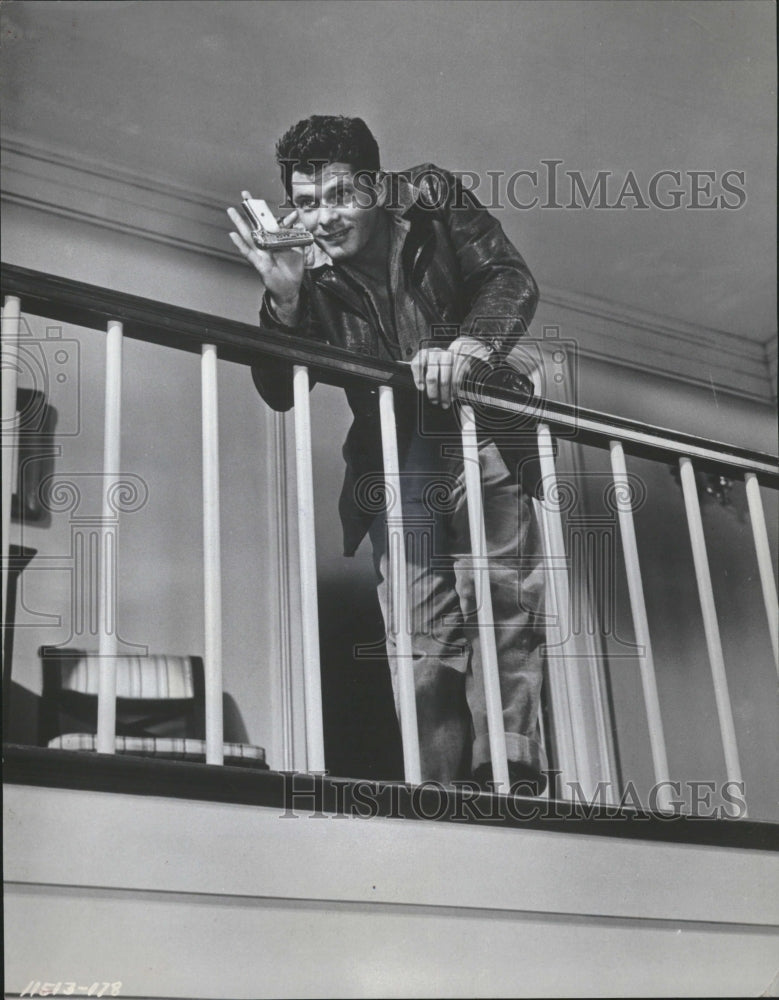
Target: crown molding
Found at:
701, 357
113, 198
109, 196
771, 348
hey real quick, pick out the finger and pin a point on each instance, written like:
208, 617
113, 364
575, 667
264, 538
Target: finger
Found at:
249, 253
418, 366
239, 242
246, 249
245, 196
240, 224
460, 367
446, 378
433, 377
291, 219
309, 253
260, 260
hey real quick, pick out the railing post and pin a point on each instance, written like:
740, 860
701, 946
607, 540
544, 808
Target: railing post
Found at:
10, 370
212, 573
280, 520
555, 663
486, 620
106, 594
641, 624
312, 681
767, 582
710, 624
562, 662
397, 616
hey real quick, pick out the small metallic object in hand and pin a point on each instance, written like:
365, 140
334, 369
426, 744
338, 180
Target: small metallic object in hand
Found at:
266, 232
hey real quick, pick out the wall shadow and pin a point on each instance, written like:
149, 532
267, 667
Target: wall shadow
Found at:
362, 737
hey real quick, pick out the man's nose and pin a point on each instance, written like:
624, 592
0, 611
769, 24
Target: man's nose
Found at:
327, 215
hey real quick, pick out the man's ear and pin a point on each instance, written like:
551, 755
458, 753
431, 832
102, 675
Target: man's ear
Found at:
382, 188
371, 188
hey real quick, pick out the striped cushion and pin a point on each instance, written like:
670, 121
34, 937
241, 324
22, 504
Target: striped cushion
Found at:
171, 748
157, 677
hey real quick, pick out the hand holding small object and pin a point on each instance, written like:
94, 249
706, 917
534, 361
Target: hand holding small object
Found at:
266, 232
281, 270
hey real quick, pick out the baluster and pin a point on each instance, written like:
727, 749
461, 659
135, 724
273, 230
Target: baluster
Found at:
555, 664
767, 582
481, 577
640, 624
106, 569
212, 573
560, 656
398, 619
312, 682
278, 466
710, 624
10, 369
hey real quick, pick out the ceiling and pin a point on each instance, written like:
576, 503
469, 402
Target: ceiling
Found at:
195, 93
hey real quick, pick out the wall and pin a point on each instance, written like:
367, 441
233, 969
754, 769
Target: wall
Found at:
160, 548
230, 900
198, 94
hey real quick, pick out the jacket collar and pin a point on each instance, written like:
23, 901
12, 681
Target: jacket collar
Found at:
402, 194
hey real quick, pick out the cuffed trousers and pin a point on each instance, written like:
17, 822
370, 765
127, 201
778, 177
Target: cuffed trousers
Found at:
442, 617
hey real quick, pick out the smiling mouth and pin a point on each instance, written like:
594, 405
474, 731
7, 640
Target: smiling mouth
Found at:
335, 237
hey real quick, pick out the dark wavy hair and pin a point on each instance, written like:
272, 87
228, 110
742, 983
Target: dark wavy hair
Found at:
326, 139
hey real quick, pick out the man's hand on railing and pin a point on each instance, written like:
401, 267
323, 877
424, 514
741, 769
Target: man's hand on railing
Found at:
281, 271
438, 372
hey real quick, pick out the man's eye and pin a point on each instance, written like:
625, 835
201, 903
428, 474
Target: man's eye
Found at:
342, 195
305, 204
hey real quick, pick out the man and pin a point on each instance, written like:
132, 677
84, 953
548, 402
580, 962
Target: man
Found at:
409, 267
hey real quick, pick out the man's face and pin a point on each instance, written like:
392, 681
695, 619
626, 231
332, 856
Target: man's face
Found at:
342, 213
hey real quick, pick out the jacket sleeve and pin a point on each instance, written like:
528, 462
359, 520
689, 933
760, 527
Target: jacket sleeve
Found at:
500, 292
273, 376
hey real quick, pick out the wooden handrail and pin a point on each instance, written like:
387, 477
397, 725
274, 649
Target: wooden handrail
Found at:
69, 301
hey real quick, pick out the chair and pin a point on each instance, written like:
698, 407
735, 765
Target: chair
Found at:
160, 707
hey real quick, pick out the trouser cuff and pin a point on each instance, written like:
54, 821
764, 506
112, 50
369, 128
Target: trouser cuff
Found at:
520, 749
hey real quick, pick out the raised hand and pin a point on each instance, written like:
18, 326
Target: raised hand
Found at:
281, 271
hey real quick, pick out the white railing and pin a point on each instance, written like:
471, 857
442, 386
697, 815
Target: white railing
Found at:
640, 622
312, 684
398, 590
108, 646
481, 580
565, 680
10, 377
212, 552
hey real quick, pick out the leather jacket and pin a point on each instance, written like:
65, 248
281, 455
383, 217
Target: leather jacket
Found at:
466, 278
